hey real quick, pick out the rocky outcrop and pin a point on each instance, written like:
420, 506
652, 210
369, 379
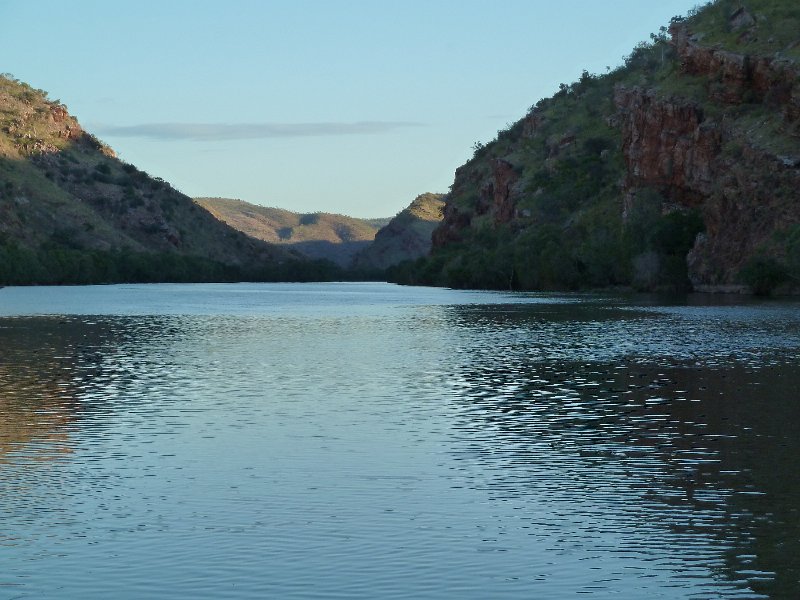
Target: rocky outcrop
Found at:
406, 237
498, 195
498, 192
450, 230
736, 78
746, 196
756, 197
669, 145
532, 123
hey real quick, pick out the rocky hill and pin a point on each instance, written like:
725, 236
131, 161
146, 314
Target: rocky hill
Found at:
678, 170
71, 212
315, 235
406, 237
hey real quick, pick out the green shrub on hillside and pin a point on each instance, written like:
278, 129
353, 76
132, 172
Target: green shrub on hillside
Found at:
763, 274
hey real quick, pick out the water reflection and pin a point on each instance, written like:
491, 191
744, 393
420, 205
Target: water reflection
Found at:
64, 381
691, 461
38, 403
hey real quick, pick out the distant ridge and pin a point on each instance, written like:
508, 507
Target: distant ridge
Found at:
316, 235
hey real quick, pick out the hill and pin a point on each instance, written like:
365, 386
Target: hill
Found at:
406, 237
315, 235
679, 170
71, 212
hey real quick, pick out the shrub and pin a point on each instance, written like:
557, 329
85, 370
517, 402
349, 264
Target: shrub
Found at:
763, 274
309, 219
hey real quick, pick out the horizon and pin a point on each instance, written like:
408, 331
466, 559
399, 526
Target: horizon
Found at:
307, 107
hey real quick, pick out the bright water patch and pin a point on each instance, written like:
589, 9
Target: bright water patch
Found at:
371, 441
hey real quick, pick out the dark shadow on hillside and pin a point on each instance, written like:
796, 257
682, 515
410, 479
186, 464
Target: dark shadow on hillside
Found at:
341, 253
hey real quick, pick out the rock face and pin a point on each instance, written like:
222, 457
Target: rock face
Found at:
736, 78
744, 199
745, 195
499, 192
667, 145
449, 231
406, 237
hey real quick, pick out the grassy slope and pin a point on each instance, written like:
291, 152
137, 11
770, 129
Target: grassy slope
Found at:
317, 235
776, 26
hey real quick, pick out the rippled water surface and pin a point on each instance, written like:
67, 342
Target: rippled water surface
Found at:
372, 441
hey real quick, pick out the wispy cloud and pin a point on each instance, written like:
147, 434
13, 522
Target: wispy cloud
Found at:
247, 131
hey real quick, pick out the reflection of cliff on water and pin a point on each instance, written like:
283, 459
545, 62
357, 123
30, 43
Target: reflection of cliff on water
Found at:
49, 369
66, 385
37, 395
690, 459
62, 375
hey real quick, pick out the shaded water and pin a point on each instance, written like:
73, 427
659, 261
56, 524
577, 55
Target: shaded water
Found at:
366, 441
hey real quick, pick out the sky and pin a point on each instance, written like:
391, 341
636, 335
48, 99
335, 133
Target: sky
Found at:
351, 107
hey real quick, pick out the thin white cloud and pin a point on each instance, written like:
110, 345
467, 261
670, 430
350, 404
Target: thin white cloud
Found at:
247, 131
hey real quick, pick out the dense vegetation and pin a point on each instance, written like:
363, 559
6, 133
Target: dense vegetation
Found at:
56, 263
553, 202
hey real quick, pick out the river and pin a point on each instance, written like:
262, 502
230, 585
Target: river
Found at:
374, 441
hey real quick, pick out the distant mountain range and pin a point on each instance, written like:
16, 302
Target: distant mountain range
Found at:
366, 245
315, 235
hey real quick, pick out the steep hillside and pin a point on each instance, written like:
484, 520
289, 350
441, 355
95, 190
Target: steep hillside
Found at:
679, 170
406, 237
71, 212
316, 235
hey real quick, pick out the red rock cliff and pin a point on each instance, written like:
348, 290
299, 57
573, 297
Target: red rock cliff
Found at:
745, 191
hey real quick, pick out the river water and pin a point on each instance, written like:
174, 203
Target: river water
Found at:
374, 441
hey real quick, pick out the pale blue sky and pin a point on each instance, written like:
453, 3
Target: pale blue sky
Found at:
353, 107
